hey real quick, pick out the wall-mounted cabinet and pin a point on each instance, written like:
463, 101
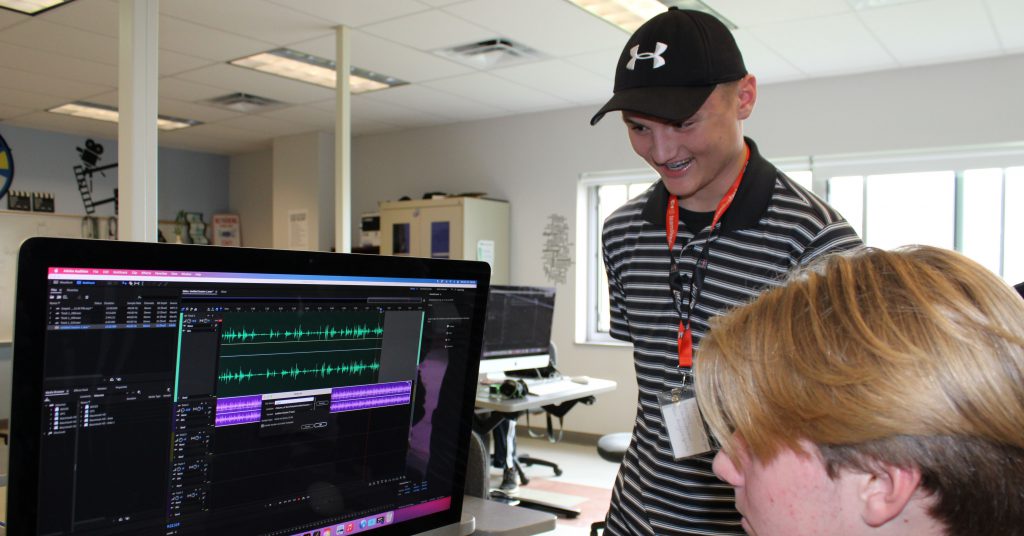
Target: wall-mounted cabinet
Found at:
465, 228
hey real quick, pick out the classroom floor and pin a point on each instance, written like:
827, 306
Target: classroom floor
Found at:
586, 481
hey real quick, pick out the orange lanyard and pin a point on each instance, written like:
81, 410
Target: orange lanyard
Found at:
684, 340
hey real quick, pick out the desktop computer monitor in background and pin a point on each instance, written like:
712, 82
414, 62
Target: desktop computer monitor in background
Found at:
517, 333
195, 390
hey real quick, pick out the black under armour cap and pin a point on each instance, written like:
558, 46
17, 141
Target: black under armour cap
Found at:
672, 63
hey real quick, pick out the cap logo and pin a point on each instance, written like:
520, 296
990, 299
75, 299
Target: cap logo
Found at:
659, 49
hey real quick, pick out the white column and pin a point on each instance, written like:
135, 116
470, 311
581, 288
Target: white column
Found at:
343, 147
136, 133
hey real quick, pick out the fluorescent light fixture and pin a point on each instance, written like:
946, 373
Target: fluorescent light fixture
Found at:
861, 5
631, 14
101, 112
314, 70
31, 7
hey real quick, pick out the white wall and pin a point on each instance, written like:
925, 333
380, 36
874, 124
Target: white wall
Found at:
534, 162
303, 180
251, 177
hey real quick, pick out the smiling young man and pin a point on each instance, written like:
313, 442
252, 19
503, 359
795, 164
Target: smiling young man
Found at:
720, 226
877, 393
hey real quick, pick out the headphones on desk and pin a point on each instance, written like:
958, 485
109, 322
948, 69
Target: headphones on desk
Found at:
513, 389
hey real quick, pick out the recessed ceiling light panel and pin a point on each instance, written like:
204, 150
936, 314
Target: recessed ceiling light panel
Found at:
31, 7
314, 70
102, 112
631, 14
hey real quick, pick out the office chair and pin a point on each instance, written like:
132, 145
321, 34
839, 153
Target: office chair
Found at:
526, 459
611, 447
478, 468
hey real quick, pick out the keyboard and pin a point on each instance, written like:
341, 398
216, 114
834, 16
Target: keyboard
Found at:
546, 386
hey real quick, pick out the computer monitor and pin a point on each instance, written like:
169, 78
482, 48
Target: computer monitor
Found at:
179, 390
517, 334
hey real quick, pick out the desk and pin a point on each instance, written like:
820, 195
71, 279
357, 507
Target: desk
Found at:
489, 518
496, 519
503, 408
577, 391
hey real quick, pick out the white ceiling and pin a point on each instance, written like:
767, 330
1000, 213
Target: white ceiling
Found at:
70, 53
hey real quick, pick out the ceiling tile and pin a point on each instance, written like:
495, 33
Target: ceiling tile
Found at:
66, 124
434, 102
204, 42
498, 92
65, 40
354, 13
557, 29
183, 90
198, 112
747, 13
57, 65
315, 118
97, 16
601, 62
826, 46
430, 30
218, 130
234, 78
188, 139
369, 128
267, 126
171, 63
1008, 18
252, 18
383, 56
10, 18
48, 85
29, 99
7, 112
934, 31
364, 108
560, 78
767, 66
439, 3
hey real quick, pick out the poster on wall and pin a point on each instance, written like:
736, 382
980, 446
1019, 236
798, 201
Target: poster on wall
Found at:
227, 230
298, 229
6, 167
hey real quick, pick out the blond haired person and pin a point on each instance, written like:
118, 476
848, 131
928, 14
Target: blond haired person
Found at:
881, 392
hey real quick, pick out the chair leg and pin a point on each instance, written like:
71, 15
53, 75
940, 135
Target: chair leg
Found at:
528, 461
595, 527
522, 474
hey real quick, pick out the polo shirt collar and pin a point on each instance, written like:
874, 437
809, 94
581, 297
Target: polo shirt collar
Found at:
751, 201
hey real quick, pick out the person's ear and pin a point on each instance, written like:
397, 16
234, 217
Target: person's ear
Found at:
885, 493
746, 95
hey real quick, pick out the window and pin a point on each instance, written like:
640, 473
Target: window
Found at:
600, 195
970, 200
974, 211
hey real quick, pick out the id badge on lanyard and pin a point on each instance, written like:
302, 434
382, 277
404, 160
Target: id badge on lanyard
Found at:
679, 411
683, 423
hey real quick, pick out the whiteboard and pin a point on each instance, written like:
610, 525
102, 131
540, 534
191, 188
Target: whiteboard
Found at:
15, 227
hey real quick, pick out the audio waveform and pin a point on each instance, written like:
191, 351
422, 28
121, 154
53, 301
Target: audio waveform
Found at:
240, 403
295, 371
324, 333
242, 417
372, 390
367, 403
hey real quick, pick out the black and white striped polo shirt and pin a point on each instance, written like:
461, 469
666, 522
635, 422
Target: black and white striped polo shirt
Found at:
772, 226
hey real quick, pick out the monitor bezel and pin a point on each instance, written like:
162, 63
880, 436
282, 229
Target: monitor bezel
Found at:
38, 254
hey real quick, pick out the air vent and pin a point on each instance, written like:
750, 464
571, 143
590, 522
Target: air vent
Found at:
244, 102
490, 53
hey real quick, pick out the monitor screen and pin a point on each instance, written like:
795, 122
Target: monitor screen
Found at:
517, 333
193, 390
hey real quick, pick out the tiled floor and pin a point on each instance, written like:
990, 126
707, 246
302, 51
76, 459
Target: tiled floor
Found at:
586, 481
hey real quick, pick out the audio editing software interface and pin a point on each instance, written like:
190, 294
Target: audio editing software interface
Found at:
181, 403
